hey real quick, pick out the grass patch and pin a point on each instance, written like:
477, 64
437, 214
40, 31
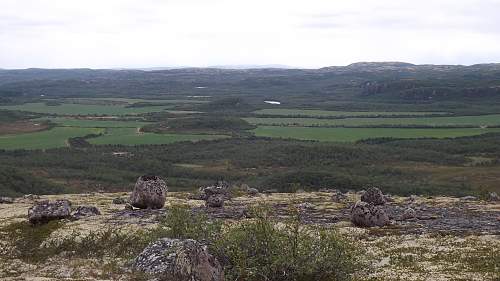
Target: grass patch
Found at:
52, 138
329, 113
355, 134
131, 136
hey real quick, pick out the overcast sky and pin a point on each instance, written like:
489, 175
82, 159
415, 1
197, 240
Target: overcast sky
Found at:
306, 33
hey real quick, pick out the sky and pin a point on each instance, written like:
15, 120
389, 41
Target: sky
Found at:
298, 33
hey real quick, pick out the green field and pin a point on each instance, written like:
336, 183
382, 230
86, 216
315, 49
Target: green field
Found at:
354, 134
88, 109
470, 121
53, 138
328, 113
83, 123
128, 136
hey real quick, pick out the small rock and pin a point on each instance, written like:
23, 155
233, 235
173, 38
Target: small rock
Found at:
86, 211
493, 196
468, 198
409, 213
45, 211
306, 206
339, 197
181, 260
373, 195
220, 188
31, 196
119, 200
128, 207
215, 201
252, 191
367, 215
6, 200
149, 193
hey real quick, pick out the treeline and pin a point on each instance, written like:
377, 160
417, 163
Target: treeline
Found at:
212, 124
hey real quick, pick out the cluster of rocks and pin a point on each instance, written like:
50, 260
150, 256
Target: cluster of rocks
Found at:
370, 211
45, 211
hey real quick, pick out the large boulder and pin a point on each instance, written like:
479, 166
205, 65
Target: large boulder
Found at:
182, 260
86, 211
374, 196
367, 215
409, 213
45, 211
149, 193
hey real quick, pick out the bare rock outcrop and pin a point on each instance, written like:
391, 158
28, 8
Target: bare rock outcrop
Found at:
374, 196
367, 215
45, 211
182, 260
149, 193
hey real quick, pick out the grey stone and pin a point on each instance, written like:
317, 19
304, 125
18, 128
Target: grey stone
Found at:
493, 196
215, 201
6, 200
181, 260
374, 196
149, 193
468, 198
45, 211
86, 211
409, 213
367, 215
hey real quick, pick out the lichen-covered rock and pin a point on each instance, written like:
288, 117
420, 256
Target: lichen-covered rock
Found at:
367, 215
31, 196
215, 201
45, 211
182, 260
86, 211
252, 191
6, 200
373, 195
409, 213
149, 193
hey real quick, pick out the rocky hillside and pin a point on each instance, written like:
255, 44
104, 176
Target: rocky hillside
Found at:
398, 238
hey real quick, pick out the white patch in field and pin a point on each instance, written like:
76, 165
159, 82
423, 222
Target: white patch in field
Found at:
272, 102
201, 87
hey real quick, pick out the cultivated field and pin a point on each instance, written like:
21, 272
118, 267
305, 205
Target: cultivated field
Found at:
355, 134
85, 109
465, 121
56, 137
131, 136
328, 113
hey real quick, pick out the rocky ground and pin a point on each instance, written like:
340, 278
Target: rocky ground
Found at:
447, 239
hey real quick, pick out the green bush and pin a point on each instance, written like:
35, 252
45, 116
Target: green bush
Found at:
262, 249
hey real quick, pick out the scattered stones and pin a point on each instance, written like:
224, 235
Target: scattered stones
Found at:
86, 211
149, 193
468, 198
493, 196
6, 200
45, 211
220, 188
409, 213
182, 260
374, 196
367, 215
215, 201
119, 200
